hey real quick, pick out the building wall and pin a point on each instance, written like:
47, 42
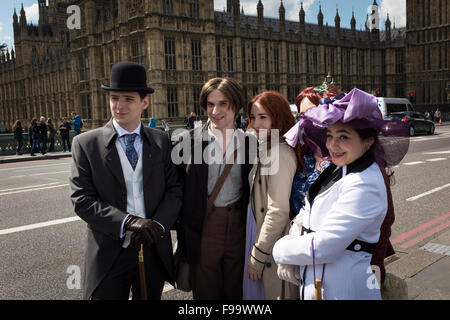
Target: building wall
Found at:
428, 46
186, 43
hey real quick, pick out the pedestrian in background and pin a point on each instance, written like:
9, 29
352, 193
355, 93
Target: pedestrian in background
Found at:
190, 121
35, 132
51, 135
244, 123
18, 136
64, 132
165, 126
211, 230
152, 122
76, 122
30, 133
437, 115
270, 185
427, 115
43, 129
197, 122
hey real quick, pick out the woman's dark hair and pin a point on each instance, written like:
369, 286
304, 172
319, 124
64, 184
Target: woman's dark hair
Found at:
377, 150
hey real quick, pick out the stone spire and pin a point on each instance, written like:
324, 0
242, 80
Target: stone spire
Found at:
337, 20
320, 17
260, 10
23, 17
282, 12
301, 15
388, 28
353, 21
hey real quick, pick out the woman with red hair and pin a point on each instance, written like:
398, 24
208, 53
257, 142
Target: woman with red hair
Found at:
270, 182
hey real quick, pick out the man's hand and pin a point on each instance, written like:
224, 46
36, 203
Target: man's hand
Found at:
147, 230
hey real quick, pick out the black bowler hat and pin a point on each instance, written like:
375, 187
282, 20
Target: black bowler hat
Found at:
128, 76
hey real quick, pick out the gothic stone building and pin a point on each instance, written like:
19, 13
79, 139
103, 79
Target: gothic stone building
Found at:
53, 70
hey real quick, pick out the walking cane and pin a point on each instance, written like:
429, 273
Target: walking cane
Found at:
142, 274
318, 289
317, 282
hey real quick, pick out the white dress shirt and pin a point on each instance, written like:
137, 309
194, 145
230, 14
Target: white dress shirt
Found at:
121, 132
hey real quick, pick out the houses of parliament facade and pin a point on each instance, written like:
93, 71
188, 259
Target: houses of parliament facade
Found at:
54, 70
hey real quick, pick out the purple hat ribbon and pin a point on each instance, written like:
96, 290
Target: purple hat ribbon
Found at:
356, 105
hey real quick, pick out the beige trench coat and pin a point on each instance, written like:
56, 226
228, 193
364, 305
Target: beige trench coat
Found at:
269, 198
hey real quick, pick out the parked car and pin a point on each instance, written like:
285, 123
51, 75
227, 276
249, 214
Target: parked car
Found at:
391, 105
415, 122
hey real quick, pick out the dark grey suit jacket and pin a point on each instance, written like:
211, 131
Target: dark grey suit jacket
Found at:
99, 196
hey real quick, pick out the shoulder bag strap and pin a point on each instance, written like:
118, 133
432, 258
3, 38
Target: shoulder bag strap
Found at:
219, 184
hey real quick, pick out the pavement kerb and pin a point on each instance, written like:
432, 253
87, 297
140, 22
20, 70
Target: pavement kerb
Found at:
23, 158
408, 264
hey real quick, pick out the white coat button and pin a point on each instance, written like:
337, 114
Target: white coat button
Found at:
357, 247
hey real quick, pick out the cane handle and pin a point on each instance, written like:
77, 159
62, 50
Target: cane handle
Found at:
318, 289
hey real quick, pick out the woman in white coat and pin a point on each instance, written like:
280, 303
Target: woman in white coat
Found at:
346, 205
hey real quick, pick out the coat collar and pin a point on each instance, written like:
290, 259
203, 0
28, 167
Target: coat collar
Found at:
332, 174
149, 147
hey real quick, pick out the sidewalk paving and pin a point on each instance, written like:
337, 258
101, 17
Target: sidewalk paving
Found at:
38, 156
426, 269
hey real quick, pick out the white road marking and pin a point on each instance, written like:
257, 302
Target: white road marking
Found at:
413, 163
437, 248
38, 225
437, 152
428, 192
35, 189
44, 173
436, 159
29, 187
39, 174
34, 167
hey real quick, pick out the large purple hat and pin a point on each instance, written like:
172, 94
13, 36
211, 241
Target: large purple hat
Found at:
359, 110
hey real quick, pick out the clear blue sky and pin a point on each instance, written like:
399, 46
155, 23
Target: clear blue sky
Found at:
396, 9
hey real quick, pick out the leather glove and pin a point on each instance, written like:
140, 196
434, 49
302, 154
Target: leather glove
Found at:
289, 272
145, 229
139, 226
156, 232
136, 240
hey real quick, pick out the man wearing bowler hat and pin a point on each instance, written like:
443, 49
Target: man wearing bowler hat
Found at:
125, 186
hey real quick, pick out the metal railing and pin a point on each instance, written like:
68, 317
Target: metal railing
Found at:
8, 144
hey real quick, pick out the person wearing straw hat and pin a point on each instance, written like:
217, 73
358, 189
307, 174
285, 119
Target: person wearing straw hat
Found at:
347, 204
125, 186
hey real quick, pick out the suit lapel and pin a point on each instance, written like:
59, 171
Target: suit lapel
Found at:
112, 160
149, 150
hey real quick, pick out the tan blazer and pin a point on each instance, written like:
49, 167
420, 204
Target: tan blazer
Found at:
269, 197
